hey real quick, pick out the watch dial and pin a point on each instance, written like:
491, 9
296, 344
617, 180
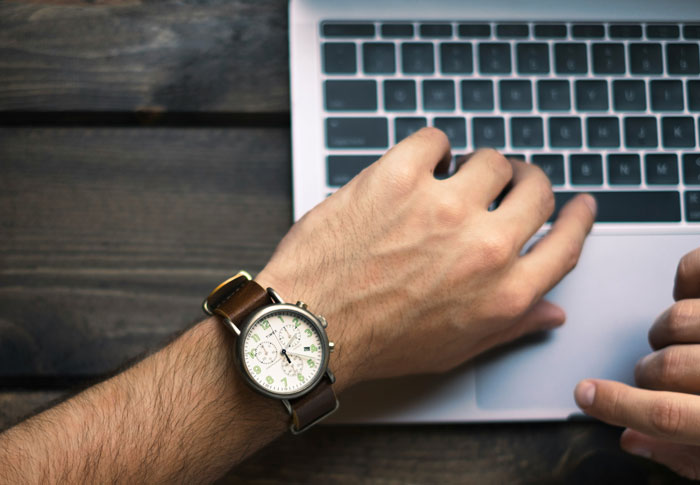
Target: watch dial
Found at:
283, 352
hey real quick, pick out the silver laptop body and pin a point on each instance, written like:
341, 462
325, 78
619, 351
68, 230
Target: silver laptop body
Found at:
518, 75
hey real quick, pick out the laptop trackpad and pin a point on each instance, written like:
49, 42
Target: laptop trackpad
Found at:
620, 286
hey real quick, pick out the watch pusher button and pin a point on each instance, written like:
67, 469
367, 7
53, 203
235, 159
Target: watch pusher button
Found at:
331, 346
302, 305
322, 319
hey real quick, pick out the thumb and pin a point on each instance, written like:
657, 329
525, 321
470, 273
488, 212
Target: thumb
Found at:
681, 458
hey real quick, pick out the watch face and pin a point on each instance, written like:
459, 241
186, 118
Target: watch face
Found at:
283, 352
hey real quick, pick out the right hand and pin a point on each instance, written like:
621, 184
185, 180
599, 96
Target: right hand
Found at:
415, 274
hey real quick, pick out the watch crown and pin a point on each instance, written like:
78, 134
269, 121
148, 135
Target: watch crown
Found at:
331, 346
322, 319
302, 305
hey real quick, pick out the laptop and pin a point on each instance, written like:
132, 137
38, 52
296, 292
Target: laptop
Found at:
603, 95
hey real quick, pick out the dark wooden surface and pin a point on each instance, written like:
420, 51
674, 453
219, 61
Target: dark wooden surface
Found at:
114, 223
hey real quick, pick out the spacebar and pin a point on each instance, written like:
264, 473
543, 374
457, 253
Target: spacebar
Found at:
646, 206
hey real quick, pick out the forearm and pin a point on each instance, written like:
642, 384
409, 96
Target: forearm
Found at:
183, 414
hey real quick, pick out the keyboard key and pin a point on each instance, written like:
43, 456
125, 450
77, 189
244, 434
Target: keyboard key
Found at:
564, 132
474, 30
661, 169
494, 58
512, 31
550, 31
552, 165
591, 95
533, 58
586, 169
417, 58
436, 30
477, 95
399, 95
404, 127
378, 58
603, 132
526, 132
342, 168
629, 96
517, 156
624, 170
662, 31
438, 95
588, 31
625, 31
608, 58
694, 95
631, 206
683, 58
351, 95
348, 30
455, 129
397, 30
570, 58
691, 168
691, 31
645, 58
515, 95
553, 95
456, 58
666, 95
488, 132
692, 206
640, 132
678, 132
357, 133
339, 58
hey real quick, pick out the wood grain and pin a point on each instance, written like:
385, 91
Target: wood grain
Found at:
111, 237
204, 56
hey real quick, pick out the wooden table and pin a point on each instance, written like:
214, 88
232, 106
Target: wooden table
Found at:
144, 156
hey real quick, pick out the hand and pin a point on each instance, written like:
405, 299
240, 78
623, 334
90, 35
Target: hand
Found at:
399, 261
663, 417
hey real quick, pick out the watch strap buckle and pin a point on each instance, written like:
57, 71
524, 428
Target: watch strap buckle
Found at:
224, 291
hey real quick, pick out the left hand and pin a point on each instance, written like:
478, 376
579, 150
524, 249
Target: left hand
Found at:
662, 416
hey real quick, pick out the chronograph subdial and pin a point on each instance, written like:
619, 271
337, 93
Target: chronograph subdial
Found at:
293, 365
289, 336
266, 352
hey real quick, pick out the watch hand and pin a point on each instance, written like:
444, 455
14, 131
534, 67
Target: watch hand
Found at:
284, 352
278, 339
302, 355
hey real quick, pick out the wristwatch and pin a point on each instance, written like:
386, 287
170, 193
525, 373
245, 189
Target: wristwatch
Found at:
282, 350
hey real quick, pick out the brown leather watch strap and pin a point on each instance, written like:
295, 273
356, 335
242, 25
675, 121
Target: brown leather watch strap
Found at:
243, 302
311, 407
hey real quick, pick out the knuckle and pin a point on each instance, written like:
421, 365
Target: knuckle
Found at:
516, 300
497, 250
666, 417
679, 314
669, 364
496, 162
448, 210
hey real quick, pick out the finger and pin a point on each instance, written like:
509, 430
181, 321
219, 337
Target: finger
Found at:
661, 414
679, 324
557, 253
528, 204
687, 284
674, 368
682, 459
542, 316
482, 176
421, 152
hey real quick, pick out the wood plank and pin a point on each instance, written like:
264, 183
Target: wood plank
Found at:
15, 405
111, 237
205, 56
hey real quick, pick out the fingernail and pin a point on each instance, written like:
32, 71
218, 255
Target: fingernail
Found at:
585, 394
643, 452
589, 200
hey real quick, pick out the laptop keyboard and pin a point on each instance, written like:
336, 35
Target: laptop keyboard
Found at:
610, 109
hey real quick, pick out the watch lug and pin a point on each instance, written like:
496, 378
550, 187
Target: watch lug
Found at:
287, 406
231, 326
275, 296
330, 375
